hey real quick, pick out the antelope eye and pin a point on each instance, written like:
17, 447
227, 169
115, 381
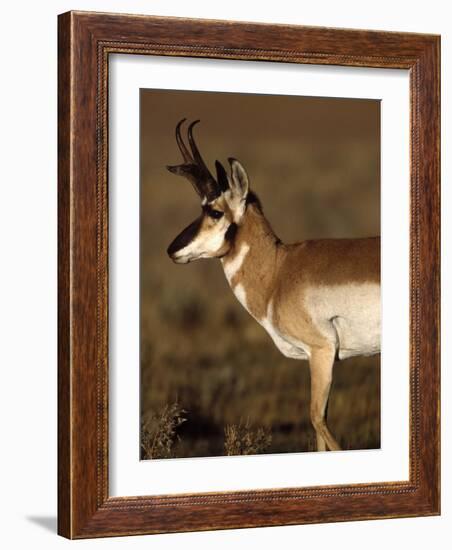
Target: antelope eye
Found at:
215, 214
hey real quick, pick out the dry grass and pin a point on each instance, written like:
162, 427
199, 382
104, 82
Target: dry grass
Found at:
158, 431
242, 439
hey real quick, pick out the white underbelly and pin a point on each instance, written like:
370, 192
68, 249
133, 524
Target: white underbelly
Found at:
355, 338
347, 316
354, 312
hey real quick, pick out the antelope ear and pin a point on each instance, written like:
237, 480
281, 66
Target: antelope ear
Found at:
239, 181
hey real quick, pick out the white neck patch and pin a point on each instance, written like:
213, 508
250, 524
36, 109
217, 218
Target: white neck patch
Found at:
232, 267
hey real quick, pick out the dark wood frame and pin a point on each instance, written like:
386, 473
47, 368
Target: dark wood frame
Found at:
85, 42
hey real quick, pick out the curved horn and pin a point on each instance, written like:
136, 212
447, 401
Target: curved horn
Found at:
210, 186
194, 148
194, 168
180, 142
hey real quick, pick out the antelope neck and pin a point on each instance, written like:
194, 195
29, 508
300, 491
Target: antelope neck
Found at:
251, 264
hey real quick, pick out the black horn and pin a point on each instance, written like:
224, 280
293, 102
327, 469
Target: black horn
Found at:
180, 142
194, 148
194, 167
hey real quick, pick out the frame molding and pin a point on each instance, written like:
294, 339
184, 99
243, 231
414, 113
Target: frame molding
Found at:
85, 41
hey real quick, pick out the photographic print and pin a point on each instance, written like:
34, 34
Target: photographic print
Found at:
219, 203
259, 274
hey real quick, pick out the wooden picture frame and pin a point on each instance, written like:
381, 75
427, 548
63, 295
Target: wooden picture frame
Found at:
85, 42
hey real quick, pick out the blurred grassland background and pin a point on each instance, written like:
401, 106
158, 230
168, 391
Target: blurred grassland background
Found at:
212, 381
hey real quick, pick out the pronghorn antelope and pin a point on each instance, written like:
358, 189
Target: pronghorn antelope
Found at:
318, 299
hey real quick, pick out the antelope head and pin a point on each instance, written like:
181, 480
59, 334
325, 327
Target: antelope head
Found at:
223, 203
